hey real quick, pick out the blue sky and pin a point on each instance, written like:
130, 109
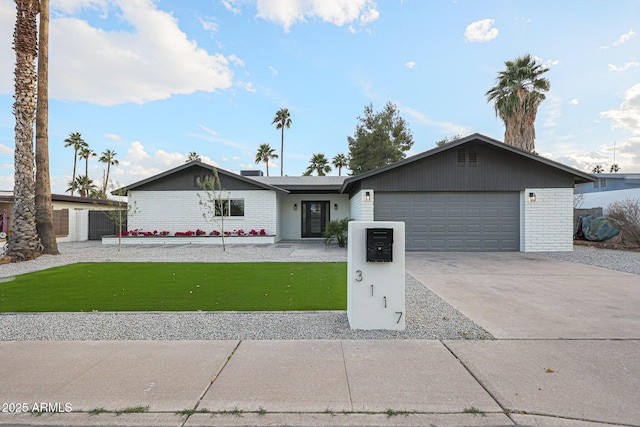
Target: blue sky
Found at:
154, 80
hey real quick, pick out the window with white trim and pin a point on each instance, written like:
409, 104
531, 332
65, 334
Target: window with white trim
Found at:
230, 207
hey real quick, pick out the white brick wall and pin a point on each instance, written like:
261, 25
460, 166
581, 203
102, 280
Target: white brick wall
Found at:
361, 210
547, 223
180, 211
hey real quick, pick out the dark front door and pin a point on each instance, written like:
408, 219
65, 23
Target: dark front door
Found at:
315, 216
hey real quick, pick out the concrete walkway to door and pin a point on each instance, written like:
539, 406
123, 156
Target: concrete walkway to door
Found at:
524, 296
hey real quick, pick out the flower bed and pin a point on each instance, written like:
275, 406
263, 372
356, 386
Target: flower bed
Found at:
196, 237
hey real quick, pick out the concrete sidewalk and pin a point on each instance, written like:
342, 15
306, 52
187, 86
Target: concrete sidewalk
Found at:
567, 355
448, 383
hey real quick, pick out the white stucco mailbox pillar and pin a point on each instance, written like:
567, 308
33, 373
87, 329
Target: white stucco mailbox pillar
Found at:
376, 275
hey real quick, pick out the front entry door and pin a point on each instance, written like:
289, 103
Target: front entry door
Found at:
315, 216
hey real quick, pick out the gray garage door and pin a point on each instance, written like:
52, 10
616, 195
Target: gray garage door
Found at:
454, 221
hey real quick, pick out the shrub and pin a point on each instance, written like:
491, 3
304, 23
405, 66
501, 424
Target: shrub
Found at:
627, 215
337, 229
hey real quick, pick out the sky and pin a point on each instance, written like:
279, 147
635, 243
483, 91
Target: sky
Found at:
156, 79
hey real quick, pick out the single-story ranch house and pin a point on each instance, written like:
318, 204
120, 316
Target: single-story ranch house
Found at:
473, 194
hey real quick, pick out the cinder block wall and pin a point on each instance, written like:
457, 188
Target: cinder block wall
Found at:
547, 223
180, 211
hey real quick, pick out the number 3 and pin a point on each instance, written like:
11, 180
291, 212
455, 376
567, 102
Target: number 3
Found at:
358, 275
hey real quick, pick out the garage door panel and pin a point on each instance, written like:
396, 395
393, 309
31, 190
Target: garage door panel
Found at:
454, 221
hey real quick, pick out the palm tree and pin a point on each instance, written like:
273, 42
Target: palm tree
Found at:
44, 210
108, 157
282, 120
193, 157
84, 185
318, 163
24, 243
340, 161
75, 140
614, 168
264, 154
85, 153
517, 94
597, 169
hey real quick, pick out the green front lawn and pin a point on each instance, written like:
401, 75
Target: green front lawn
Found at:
178, 287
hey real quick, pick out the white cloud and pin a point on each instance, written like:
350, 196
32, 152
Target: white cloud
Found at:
411, 64
6, 166
624, 38
6, 150
627, 116
273, 70
574, 101
248, 86
7, 55
209, 24
237, 61
481, 31
627, 154
624, 67
553, 110
336, 12
225, 159
113, 137
149, 59
230, 6
212, 136
445, 127
138, 163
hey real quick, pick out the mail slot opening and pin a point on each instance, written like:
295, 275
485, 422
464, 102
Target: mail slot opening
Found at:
379, 244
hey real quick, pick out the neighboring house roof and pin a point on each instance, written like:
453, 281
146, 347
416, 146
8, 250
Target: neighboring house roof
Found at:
303, 183
7, 197
579, 176
196, 165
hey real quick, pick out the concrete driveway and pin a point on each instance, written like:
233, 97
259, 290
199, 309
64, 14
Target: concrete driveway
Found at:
524, 296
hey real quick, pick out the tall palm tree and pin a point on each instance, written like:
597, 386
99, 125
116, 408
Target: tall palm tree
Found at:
597, 169
282, 120
193, 157
85, 153
340, 161
109, 157
44, 210
24, 242
517, 94
614, 168
264, 154
75, 140
318, 163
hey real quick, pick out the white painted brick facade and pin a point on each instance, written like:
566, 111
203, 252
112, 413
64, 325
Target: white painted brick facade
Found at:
291, 220
361, 209
180, 211
547, 223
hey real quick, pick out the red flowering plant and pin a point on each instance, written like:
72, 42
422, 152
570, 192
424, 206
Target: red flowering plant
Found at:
214, 233
164, 233
200, 232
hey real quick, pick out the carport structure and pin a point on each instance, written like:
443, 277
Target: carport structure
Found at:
473, 194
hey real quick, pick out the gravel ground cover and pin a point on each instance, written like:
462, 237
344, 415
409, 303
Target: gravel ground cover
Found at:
428, 316
626, 261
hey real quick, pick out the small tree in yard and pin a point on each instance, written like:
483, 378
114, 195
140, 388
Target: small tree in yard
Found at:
627, 215
215, 202
119, 214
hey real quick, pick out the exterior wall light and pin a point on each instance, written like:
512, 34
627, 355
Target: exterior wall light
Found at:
367, 196
532, 197
295, 206
335, 206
